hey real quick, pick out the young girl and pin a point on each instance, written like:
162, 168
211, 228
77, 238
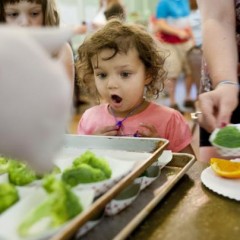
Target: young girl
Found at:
127, 66
35, 13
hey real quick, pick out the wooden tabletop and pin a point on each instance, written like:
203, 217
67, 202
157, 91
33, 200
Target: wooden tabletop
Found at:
191, 212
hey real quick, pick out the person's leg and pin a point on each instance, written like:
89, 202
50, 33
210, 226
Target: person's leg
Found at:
194, 57
189, 82
173, 67
171, 88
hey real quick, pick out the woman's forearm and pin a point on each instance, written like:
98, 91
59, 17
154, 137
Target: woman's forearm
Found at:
219, 39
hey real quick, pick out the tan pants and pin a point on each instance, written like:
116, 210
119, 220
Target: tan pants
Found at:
176, 61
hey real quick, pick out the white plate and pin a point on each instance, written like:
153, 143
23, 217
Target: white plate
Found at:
226, 187
120, 162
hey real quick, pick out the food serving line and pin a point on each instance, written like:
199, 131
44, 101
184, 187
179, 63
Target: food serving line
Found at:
152, 194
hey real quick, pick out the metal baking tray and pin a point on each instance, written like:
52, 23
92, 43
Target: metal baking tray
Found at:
120, 226
154, 146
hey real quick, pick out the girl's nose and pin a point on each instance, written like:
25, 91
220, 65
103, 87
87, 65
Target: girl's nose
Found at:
112, 83
24, 21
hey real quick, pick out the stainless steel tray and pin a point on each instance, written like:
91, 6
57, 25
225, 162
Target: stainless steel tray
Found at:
155, 146
121, 225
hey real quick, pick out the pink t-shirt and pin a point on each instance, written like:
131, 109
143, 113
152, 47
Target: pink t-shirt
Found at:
169, 123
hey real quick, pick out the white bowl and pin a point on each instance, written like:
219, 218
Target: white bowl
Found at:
225, 151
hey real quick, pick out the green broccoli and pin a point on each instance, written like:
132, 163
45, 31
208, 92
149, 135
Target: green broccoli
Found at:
4, 165
95, 162
228, 137
20, 174
8, 196
60, 206
49, 183
82, 174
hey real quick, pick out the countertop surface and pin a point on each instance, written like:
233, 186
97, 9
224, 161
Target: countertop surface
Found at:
190, 211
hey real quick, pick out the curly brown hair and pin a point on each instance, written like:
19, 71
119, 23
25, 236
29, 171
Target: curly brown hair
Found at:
49, 9
120, 37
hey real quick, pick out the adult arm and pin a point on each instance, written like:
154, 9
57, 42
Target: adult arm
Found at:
220, 53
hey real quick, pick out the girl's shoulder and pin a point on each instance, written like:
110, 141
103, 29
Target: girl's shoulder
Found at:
165, 112
161, 108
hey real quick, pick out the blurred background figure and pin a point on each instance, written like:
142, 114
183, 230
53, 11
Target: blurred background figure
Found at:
32, 13
108, 9
194, 55
115, 9
172, 27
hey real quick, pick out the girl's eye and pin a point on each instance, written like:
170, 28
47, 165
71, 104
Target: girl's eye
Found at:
12, 15
101, 75
125, 74
35, 14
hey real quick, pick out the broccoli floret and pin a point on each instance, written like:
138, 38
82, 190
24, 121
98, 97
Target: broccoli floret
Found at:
20, 174
8, 196
82, 174
228, 137
4, 165
49, 183
60, 206
99, 163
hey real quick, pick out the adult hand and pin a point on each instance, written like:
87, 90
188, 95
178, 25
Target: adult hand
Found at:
217, 107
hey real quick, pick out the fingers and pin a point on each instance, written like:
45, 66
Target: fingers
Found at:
224, 116
207, 119
147, 130
107, 131
227, 106
217, 107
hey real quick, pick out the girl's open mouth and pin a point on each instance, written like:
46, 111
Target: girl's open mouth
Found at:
116, 98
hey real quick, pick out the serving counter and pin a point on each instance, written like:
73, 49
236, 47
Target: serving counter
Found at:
190, 211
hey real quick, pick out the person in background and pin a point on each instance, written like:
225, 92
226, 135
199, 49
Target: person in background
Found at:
172, 28
219, 103
126, 64
108, 9
36, 13
194, 55
115, 9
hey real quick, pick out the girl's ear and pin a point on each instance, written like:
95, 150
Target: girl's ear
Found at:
148, 78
